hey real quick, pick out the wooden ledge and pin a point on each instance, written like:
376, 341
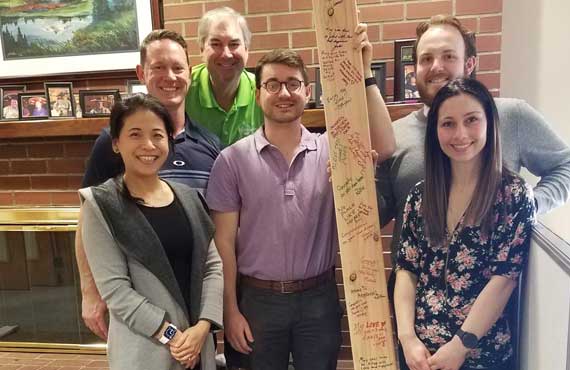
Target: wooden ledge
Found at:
92, 126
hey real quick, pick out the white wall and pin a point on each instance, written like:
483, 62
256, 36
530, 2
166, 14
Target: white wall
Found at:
535, 66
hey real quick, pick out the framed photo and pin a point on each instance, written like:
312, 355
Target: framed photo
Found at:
98, 103
60, 99
135, 87
405, 87
65, 37
9, 103
33, 105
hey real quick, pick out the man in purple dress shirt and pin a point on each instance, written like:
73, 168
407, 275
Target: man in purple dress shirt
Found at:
280, 295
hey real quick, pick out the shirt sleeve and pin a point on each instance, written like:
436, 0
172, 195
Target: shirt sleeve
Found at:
512, 245
103, 163
222, 194
545, 155
408, 253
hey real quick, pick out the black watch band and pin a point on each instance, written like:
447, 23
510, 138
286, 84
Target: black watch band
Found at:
370, 81
469, 340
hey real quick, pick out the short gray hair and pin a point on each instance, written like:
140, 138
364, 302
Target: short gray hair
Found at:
218, 14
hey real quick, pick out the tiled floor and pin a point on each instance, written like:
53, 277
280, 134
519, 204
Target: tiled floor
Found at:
50, 361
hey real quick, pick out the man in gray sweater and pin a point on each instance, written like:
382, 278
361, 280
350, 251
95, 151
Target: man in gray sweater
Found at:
446, 50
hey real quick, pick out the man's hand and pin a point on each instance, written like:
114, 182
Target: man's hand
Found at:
187, 346
362, 43
93, 310
238, 332
416, 354
450, 356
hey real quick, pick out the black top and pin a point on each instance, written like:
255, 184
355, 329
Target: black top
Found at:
175, 234
195, 151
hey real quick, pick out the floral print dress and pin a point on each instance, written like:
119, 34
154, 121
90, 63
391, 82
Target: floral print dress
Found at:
451, 277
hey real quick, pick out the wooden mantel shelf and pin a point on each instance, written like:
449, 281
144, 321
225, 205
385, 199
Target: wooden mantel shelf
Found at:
92, 126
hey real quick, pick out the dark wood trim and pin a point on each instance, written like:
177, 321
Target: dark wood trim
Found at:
314, 118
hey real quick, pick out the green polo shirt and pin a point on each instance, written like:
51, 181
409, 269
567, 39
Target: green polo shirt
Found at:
242, 119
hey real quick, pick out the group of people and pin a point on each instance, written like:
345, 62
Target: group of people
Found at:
178, 238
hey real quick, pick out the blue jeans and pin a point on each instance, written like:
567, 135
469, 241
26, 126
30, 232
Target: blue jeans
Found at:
305, 324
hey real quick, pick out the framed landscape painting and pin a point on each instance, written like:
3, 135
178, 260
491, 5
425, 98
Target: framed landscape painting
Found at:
71, 36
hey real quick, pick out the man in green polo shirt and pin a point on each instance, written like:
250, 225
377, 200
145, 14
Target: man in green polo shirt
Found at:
222, 94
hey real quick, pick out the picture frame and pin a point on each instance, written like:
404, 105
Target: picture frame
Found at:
41, 53
98, 103
318, 89
135, 87
405, 88
61, 103
9, 100
33, 105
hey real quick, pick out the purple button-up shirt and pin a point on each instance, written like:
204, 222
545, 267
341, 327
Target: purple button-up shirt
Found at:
287, 226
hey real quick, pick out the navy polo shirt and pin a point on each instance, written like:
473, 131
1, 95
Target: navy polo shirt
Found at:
195, 151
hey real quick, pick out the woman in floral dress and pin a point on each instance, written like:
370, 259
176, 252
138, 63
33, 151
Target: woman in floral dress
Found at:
464, 242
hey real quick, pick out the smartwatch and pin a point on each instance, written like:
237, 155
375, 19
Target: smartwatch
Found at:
168, 334
469, 340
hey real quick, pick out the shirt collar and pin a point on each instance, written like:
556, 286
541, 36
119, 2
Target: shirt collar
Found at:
243, 95
190, 130
308, 140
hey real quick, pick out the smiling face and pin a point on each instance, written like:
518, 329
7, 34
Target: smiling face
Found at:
166, 73
142, 144
440, 59
283, 106
224, 50
462, 129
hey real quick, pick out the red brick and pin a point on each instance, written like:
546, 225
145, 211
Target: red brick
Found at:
74, 182
304, 39
32, 198
267, 6
28, 167
390, 87
478, 6
367, 2
14, 183
381, 13
373, 32
389, 73
193, 48
49, 182
302, 4
288, 22
81, 149
490, 24
66, 166
191, 29
196, 59
270, 41
45, 150
428, 9
488, 43
489, 62
470, 23
257, 24
383, 50
306, 55
175, 26
6, 199
68, 198
184, 11
491, 80
4, 167
10, 151
237, 5
394, 31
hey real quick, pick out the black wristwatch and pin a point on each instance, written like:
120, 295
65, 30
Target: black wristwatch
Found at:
469, 340
370, 81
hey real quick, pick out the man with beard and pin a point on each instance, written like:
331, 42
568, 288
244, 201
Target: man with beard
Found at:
280, 294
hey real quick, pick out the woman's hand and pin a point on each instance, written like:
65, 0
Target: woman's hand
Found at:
416, 354
187, 347
450, 356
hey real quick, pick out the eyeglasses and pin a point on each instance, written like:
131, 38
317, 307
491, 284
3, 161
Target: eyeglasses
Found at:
274, 86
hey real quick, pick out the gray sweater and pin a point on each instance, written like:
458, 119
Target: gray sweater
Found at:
526, 139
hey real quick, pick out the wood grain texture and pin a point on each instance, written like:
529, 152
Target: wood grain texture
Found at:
353, 186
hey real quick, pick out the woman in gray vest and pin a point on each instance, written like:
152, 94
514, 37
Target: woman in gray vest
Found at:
149, 245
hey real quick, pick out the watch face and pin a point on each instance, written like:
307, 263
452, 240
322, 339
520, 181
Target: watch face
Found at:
170, 332
469, 340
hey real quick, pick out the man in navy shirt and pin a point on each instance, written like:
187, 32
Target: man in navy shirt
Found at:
165, 70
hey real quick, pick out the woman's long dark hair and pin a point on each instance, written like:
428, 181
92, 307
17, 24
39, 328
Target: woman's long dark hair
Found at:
438, 166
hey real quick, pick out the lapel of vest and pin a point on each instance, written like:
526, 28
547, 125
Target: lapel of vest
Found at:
202, 232
134, 235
